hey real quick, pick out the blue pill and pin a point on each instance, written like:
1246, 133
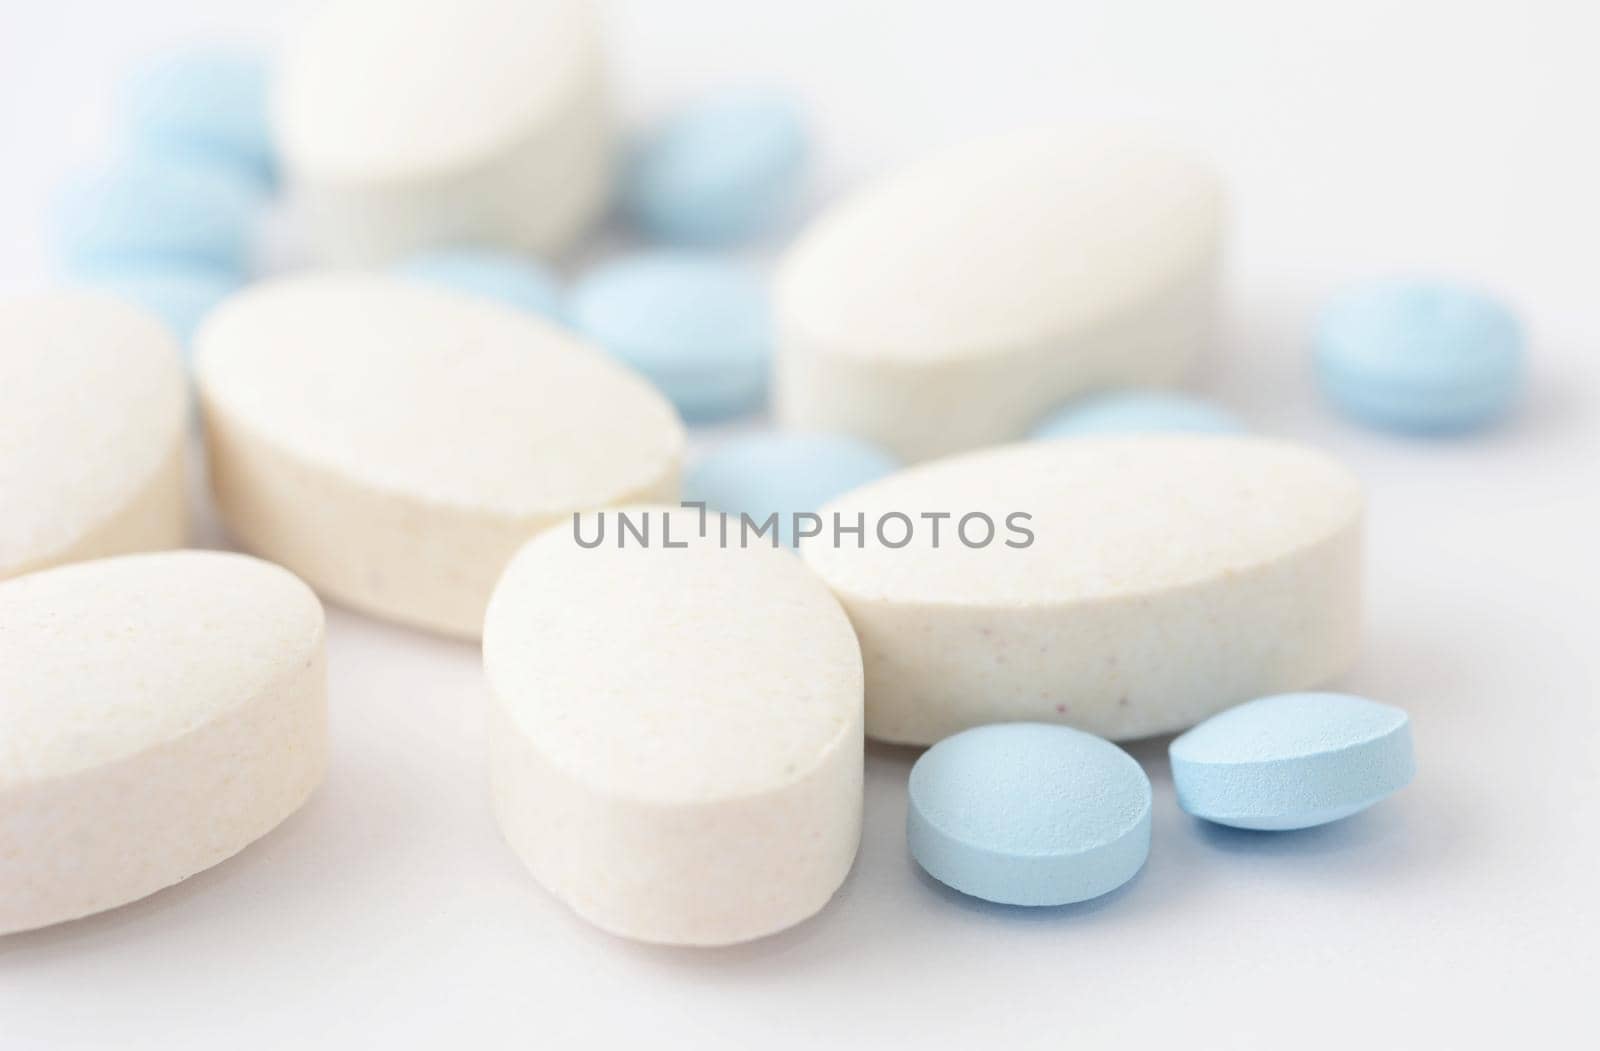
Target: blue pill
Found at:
1419, 356
209, 106
784, 473
1292, 761
699, 328
150, 209
1123, 411
1029, 814
505, 277
726, 169
179, 294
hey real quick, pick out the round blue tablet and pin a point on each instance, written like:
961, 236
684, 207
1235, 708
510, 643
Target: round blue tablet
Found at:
725, 169
178, 293
1292, 761
1029, 814
209, 105
784, 472
505, 277
1419, 356
698, 327
1120, 411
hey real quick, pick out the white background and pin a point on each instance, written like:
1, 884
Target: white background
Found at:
1359, 138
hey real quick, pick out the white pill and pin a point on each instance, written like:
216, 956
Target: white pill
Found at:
1167, 577
158, 713
394, 444
92, 411
676, 734
953, 305
410, 124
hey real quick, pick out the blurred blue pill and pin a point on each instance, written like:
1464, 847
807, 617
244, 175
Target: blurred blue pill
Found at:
726, 169
180, 294
206, 105
149, 209
1135, 411
697, 327
515, 280
1420, 356
783, 472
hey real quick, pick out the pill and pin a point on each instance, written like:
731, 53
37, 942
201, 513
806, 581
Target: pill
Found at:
953, 305
671, 767
158, 713
180, 294
784, 474
1029, 814
158, 209
92, 420
1124, 585
726, 168
207, 105
1292, 761
1136, 411
697, 327
1420, 356
516, 280
403, 125
393, 444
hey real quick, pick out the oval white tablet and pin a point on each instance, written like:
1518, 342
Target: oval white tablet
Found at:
677, 747
394, 444
954, 304
1126, 586
409, 124
158, 713
92, 410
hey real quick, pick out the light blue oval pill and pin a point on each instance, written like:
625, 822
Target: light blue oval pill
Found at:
1029, 814
514, 280
210, 105
1292, 761
1135, 411
725, 169
179, 294
1419, 356
697, 327
783, 472
158, 209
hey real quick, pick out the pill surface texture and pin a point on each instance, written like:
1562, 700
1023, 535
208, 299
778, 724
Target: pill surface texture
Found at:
1420, 356
92, 411
394, 444
1154, 581
676, 743
1292, 761
953, 305
158, 713
411, 124
1136, 412
1029, 814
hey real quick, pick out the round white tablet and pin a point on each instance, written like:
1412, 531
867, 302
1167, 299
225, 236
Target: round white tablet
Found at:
954, 304
158, 713
92, 410
677, 746
1126, 586
394, 443
409, 124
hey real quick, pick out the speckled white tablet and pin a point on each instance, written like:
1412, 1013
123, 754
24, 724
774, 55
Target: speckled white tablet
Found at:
92, 410
394, 443
954, 304
410, 124
1166, 578
676, 745
158, 713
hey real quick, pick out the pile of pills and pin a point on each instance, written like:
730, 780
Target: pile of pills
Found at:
1017, 543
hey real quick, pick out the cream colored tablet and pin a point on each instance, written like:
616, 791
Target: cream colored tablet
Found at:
92, 411
158, 713
1125, 586
676, 745
405, 124
957, 303
394, 444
